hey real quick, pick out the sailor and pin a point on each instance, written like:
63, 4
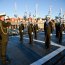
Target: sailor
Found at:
30, 32
21, 29
35, 30
60, 30
47, 30
4, 38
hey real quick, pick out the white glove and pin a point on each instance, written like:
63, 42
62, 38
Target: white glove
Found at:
37, 30
51, 34
22, 30
63, 32
32, 33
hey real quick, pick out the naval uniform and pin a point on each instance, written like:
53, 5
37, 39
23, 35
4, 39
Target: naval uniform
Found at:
4, 41
21, 28
30, 33
47, 30
35, 30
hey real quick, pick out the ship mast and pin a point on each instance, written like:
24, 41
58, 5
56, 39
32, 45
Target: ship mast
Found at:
49, 13
60, 13
36, 11
15, 8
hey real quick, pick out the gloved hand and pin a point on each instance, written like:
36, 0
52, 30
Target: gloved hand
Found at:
32, 33
63, 32
37, 30
22, 30
51, 34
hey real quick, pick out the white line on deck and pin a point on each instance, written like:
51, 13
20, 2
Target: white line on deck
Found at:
52, 43
48, 57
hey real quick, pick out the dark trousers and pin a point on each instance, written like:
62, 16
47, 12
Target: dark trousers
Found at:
21, 36
35, 36
0, 49
60, 37
56, 34
3, 52
30, 38
47, 41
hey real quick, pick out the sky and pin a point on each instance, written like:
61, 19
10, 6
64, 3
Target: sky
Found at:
11, 7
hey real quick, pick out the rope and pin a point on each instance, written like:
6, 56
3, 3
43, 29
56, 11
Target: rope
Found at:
3, 31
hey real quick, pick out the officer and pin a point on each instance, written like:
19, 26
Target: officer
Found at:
30, 32
3, 39
21, 29
35, 30
47, 30
0, 37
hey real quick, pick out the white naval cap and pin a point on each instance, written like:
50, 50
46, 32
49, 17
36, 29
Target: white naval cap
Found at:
20, 22
2, 14
6, 17
47, 16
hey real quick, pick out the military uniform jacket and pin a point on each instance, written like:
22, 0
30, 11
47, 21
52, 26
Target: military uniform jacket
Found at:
0, 31
35, 28
47, 29
59, 27
21, 27
51, 26
3, 32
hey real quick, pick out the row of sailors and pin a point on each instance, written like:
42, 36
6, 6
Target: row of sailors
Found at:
31, 28
48, 29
